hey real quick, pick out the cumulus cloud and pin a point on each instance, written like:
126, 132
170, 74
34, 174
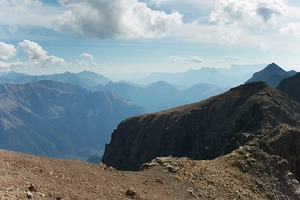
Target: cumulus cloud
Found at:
37, 55
86, 56
292, 29
158, 3
115, 19
254, 16
185, 60
81, 63
7, 51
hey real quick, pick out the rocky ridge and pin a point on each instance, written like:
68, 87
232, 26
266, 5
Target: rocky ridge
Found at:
204, 130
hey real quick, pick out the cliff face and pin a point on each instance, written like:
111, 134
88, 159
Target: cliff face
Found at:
203, 130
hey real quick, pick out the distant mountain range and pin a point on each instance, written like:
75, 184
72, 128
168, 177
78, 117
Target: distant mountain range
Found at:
85, 79
272, 75
58, 119
161, 95
233, 76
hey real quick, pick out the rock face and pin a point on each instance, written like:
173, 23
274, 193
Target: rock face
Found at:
290, 86
203, 130
272, 75
57, 119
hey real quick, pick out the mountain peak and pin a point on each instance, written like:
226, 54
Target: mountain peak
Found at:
274, 68
272, 75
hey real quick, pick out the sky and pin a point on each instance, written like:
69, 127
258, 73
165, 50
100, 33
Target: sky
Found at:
129, 39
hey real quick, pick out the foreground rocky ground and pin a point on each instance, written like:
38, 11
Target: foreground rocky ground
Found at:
247, 173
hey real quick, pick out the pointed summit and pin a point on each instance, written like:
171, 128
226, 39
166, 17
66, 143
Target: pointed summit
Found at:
272, 75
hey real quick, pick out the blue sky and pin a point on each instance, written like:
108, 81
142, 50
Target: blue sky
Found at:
127, 39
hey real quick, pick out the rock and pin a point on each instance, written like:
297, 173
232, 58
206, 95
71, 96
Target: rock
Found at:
170, 168
131, 192
32, 188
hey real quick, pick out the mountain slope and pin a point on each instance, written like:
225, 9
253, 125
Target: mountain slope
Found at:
58, 119
272, 75
247, 173
291, 86
203, 130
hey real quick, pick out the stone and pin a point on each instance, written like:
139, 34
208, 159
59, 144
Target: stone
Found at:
131, 192
32, 188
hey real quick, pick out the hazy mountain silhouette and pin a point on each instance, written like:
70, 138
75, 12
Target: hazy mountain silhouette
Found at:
161, 95
233, 76
84, 79
272, 75
57, 119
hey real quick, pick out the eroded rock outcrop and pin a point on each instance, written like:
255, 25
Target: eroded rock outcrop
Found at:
203, 130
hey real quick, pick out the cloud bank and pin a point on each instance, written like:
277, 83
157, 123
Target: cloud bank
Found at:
253, 16
185, 60
35, 54
115, 19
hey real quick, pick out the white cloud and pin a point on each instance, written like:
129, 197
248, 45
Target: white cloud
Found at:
7, 51
265, 46
185, 60
37, 55
81, 63
231, 58
86, 56
115, 19
21, 13
158, 3
291, 29
253, 16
